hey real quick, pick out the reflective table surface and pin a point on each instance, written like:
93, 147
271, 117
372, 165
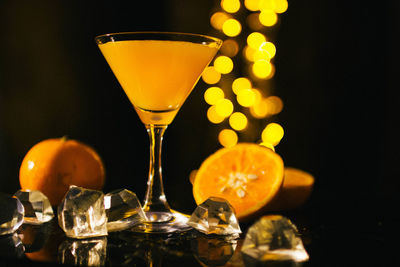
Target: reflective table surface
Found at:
331, 239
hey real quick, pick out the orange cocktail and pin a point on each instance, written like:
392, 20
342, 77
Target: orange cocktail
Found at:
157, 72
157, 76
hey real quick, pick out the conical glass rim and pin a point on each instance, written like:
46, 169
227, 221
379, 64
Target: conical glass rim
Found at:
154, 35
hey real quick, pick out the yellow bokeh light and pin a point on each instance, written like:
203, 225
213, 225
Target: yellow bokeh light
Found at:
213, 94
272, 134
231, 27
223, 64
248, 53
272, 72
230, 6
258, 95
280, 6
227, 138
256, 39
240, 83
266, 4
230, 48
213, 116
217, 19
246, 97
262, 69
260, 109
238, 121
252, 5
269, 145
210, 75
268, 17
224, 107
269, 47
275, 104
253, 22
261, 54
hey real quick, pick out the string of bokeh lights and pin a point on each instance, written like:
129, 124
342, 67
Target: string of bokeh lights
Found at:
241, 76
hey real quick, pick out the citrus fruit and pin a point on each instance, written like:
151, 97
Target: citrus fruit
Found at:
296, 189
52, 165
247, 175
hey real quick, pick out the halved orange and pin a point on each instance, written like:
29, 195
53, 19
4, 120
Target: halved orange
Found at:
296, 189
247, 175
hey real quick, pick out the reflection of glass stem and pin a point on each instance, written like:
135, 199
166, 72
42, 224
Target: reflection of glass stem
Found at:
153, 259
155, 200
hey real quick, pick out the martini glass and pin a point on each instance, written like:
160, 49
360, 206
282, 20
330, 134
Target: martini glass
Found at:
157, 71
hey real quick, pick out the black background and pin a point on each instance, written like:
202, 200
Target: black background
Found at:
336, 73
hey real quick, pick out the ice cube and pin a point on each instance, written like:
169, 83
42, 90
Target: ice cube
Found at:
37, 206
82, 214
274, 238
123, 210
215, 216
11, 214
88, 252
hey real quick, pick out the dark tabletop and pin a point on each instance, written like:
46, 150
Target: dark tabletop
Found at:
331, 238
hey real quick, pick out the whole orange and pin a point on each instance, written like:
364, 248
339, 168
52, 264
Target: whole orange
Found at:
52, 165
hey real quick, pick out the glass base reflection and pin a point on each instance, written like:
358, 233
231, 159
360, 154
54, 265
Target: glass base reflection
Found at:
163, 222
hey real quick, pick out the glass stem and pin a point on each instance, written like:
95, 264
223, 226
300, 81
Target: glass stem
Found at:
155, 200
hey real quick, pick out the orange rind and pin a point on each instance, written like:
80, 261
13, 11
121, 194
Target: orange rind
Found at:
247, 175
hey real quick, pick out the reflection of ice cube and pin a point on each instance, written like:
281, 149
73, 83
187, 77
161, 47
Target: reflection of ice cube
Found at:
274, 238
11, 214
37, 206
215, 216
89, 252
11, 247
33, 236
123, 210
213, 251
82, 213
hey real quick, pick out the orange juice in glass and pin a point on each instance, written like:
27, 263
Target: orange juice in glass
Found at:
157, 75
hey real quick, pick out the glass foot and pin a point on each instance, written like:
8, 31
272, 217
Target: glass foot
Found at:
163, 222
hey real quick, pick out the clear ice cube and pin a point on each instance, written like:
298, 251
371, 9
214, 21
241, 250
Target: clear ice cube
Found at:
11, 214
82, 214
37, 206
215, 216
88, 252
274, 238
123, 210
